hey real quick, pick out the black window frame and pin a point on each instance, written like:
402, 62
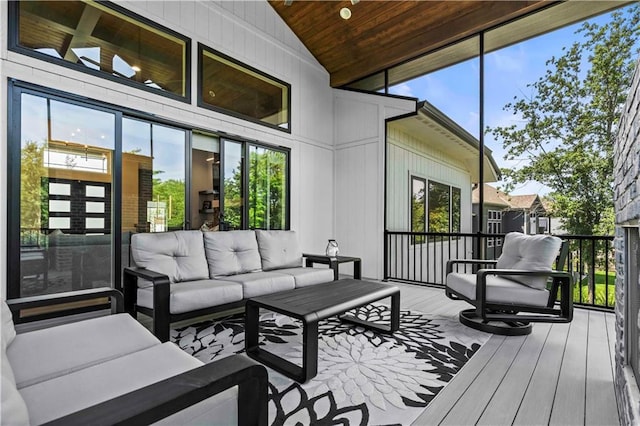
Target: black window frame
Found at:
200, 102
13, 45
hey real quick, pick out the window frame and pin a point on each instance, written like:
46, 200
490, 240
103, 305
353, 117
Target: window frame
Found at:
13, 45
202, 48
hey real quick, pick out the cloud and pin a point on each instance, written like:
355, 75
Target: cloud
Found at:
509, 60
403, 90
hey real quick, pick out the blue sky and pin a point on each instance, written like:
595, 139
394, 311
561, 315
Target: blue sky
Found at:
455, 90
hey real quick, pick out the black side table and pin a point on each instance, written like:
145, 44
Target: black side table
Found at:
333, 263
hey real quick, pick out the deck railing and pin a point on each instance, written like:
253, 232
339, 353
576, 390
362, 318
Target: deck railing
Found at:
421, 258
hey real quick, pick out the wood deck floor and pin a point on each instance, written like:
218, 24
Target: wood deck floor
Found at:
560, 374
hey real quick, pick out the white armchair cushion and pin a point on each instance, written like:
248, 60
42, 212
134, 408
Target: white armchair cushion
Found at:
178, 254
531, 253
279, 249
8, 330
499, 290
231, 252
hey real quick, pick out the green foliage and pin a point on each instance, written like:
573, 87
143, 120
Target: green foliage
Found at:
570, 122
32, 171
171, 192
267, 189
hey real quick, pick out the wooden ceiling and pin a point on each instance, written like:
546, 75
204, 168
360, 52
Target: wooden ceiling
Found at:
381, 34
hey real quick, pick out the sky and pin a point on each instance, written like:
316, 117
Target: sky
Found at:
455, 90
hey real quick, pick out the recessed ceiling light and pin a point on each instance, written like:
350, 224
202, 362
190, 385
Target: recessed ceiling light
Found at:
345, 13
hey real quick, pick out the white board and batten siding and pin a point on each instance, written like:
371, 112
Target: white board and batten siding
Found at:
410, 155
359, 175
249, 31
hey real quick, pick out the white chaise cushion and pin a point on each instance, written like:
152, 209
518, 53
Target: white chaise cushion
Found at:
308, 276
531, 253
279, 249
192, 295
14, 409
499, 290
83, 388
178, 254
8, 331
259, 283
44, 354
231, 252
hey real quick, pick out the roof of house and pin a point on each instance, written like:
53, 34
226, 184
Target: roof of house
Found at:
492, 196
495, 197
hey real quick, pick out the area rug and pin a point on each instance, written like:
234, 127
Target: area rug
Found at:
363, 377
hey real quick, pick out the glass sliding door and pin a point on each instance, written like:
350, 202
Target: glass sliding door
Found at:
66, 192
153, 177
233, 188
267, 188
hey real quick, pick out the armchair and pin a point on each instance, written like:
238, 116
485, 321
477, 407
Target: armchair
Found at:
510, 293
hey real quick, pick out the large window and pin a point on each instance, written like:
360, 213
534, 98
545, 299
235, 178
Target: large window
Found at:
94, 38
231, 87
418, 207
443, 207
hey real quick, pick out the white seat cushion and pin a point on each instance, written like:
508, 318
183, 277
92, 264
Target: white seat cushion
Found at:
530, 253
231, 252
14, 409
193, 295
43, 354
499, 290
279, 249
308, 276
259, 283
178, 254
64, 395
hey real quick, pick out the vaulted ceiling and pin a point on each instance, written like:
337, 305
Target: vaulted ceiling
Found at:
380, 34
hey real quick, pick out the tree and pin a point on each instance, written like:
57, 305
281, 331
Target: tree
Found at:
32, 171
570, 123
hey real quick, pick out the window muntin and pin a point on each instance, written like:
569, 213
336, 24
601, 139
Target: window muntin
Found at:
418, 207
234, 88
98, 39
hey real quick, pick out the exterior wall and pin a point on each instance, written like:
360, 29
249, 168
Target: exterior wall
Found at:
360, 129
249, 31
408, 155
627, 208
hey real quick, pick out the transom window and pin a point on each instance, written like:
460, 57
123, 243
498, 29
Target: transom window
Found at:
94, 38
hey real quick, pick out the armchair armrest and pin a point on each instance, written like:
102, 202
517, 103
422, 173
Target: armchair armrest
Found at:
452, 262
563, 278
16, 305
164, 398
161, 292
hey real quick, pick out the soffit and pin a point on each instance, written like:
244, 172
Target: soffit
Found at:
381, 34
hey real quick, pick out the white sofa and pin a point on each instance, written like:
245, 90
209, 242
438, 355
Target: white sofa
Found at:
185, 274
110, 369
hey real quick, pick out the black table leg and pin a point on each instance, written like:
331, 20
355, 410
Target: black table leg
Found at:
357, 273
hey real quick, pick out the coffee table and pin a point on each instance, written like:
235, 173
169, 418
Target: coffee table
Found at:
310, 305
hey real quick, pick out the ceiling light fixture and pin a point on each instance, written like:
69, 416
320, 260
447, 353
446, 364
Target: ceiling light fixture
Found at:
345, 13
212, 93
136, 68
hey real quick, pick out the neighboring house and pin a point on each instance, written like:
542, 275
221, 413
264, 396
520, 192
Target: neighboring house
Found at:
495, 203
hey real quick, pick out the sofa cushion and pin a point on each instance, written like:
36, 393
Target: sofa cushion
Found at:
308, 276
279, 249
178, 254
83, 388
43, 354
193, 295
531, 253
8, 330
14, 409
499, 290
259, 283
231, 252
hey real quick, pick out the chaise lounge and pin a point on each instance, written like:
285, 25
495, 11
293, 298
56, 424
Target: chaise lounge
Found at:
111, 370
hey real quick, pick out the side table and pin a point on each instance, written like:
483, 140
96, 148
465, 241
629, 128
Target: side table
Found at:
333, 263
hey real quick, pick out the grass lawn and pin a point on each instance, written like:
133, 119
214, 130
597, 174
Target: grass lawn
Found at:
600, 290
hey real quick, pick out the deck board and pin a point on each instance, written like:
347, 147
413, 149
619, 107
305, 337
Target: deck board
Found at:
561, 373
600, 404
503, 406
568, 407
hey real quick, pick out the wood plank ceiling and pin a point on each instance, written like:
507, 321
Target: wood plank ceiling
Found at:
381, 34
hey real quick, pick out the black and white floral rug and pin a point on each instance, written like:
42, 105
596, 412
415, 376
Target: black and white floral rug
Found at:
363, 377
